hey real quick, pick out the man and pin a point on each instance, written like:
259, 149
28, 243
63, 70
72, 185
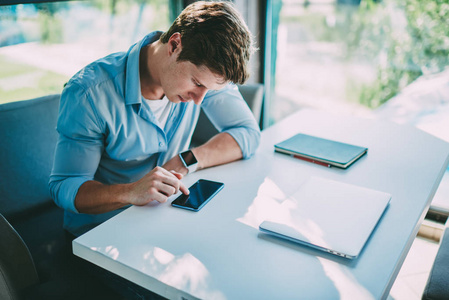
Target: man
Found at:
125, 118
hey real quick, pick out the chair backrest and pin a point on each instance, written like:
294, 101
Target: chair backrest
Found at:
253, 95
27, 142
17, 269
437, 286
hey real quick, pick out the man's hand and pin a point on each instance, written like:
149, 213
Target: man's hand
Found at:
159, 184
94, 197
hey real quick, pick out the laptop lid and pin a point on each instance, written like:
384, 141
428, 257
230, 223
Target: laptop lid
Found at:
328, 215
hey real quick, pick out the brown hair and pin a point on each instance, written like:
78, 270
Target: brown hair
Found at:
214, 35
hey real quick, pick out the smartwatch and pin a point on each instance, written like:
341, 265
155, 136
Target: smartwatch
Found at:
189, 160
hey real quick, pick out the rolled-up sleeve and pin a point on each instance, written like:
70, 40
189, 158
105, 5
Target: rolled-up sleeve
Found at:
229, 113
79, 147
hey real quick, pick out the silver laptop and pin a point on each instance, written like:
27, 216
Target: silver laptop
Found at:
327, 215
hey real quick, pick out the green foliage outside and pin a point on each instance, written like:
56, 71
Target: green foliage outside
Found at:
49, 23
400, 39
34, 82
19, 80
409, 38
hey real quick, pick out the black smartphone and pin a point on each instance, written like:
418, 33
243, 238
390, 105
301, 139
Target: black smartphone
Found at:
200, 193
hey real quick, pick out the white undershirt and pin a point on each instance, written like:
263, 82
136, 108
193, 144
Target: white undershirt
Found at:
161, 109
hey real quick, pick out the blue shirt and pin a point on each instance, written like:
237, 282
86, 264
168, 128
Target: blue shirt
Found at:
108, 133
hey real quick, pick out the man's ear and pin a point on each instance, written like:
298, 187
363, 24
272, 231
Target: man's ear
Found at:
174, 43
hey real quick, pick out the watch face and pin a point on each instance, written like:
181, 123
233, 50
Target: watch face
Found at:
189, 158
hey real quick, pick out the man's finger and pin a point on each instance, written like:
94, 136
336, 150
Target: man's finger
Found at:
178, 175
182, 187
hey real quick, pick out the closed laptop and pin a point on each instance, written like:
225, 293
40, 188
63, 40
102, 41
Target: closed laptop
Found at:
330, 216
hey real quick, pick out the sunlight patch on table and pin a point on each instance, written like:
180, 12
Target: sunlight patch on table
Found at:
110, 251
344, 281
269, 198
271, 204
184, 272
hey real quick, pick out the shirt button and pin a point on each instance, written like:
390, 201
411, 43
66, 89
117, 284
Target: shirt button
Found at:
161, 144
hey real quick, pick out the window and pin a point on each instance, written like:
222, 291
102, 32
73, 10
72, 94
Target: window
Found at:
387, 59
43, 45
354, 56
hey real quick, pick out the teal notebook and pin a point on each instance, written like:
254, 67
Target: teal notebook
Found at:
321, 151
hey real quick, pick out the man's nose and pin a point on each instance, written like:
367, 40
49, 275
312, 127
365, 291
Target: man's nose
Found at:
198, 95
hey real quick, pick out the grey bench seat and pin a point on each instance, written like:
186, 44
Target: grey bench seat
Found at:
438, 282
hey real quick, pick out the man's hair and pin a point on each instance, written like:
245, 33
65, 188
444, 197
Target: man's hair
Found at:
214, 35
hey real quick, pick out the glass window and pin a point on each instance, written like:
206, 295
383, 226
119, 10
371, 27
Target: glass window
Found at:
386, 59
43, 45
354, 56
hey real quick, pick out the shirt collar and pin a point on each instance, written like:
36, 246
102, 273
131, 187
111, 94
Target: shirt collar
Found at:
132, 86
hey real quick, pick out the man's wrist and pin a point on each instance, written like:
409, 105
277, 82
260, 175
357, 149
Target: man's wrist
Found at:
189, 161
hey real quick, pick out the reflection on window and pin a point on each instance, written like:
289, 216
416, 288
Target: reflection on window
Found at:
43, 45
354, 56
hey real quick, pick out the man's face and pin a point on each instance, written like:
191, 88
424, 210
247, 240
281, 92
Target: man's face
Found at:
183, 81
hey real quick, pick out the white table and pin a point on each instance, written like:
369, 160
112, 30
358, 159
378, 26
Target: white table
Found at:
218, 253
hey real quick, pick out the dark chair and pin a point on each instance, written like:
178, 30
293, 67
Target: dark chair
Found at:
253, 95
438, 282
39, 264
28, 138
17, 270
